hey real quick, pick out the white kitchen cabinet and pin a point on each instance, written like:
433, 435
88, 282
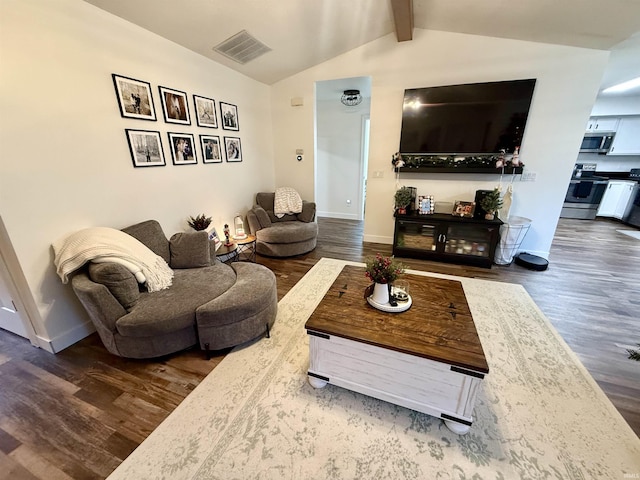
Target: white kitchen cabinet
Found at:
615, 198
627, 139
602, 124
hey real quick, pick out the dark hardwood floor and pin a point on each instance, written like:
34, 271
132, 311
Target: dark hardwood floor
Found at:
78, 414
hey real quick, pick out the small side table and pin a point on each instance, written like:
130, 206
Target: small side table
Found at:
227, 254
246, 248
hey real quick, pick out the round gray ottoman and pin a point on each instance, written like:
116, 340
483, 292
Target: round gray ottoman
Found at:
244, 312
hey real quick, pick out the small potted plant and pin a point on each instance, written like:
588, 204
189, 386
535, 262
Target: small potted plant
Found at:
201, 222
402, 199
382, 271
491, 203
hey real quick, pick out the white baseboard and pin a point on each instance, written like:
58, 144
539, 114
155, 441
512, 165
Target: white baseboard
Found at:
345, 216
67, 339
378, 239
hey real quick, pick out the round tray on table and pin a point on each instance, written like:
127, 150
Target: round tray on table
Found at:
402, 306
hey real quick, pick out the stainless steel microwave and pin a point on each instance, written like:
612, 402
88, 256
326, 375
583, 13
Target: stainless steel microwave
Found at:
597, 142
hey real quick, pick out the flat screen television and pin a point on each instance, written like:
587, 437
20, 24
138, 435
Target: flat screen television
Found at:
469, 119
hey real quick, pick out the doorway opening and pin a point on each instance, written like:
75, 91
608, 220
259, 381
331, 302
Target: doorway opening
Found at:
14, 315
341, 148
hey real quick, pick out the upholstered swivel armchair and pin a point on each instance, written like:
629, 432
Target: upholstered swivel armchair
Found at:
210, 303
282, 237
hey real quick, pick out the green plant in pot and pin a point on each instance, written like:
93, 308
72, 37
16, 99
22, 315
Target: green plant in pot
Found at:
402, 199
491, 203
200, 222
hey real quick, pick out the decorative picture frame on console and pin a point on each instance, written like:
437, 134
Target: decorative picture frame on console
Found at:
426, 205
463, 209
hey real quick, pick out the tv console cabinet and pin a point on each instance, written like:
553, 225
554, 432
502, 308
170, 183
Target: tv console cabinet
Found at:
446, 238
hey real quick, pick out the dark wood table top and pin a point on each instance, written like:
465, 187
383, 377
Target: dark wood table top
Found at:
438, 326
224, 250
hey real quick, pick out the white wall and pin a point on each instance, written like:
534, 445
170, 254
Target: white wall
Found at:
339, 157
616, 105
567, 83
65, 159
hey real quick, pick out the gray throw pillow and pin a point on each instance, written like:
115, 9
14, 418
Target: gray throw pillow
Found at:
190, 250
308, 212
120, 282
263, 216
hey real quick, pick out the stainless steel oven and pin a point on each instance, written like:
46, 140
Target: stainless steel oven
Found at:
584, 193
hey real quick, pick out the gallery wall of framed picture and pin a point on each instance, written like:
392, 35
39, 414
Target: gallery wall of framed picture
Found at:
135, 101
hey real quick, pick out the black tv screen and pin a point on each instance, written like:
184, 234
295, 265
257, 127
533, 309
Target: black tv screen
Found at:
476, 118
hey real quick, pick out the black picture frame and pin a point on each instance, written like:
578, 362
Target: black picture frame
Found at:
229, 116
233, 149
134, 98
211, 149
183, 148
175, 106
145, 147
205, 109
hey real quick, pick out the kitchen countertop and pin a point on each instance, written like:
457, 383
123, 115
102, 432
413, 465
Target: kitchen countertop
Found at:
614, 175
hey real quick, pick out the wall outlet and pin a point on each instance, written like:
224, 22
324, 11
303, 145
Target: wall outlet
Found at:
528, 177
378, 174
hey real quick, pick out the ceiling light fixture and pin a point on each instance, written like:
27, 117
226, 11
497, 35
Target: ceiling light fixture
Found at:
624, 86
351, 98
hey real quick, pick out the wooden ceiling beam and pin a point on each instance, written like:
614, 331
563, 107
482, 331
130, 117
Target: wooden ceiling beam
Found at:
403, 19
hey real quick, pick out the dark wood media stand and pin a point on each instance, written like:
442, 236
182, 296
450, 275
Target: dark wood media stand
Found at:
446, 238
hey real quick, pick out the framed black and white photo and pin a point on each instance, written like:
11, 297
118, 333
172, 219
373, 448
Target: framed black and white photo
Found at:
183, 151
211, 149
233, 149
146, 148
174, 106
229, 116
205, 111
134, 98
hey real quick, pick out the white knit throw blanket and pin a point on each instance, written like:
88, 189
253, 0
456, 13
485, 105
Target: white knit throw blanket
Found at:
287, 201
100, 243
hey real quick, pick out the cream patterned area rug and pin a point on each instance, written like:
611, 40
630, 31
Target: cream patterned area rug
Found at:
630, 233
539, 414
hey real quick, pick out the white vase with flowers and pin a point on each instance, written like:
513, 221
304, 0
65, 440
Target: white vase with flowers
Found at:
382, 271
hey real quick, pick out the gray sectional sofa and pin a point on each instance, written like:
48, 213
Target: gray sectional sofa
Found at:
282, 237
209, 303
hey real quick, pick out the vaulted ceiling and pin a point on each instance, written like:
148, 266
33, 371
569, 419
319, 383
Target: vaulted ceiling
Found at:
303, 33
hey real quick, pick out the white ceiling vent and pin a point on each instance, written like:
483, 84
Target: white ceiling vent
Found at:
242, 47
